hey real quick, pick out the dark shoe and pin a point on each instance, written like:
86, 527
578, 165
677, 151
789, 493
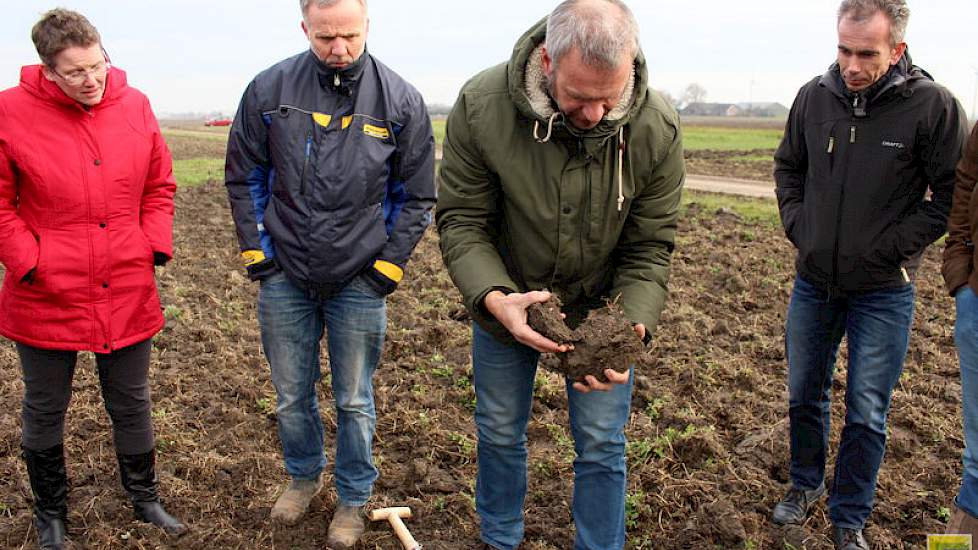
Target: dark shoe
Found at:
849, 539
138, 473
794, 507
49, 485
962, 523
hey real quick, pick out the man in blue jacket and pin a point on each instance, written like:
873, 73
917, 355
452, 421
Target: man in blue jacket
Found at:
863, 146
330, 173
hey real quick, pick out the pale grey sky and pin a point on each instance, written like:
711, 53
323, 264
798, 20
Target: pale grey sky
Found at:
198, 55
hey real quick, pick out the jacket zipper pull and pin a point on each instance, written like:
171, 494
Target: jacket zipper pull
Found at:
852, 134
831, 148
336, 80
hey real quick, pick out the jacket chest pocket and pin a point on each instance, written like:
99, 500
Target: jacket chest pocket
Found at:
375, 152
825, 143
290, 137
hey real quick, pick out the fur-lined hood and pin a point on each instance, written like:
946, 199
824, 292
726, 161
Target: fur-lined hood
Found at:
528, 90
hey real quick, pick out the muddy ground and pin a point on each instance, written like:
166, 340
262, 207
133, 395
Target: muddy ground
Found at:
755, 164
708, 435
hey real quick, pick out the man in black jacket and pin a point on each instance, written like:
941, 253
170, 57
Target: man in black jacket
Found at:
330, 172
862, 146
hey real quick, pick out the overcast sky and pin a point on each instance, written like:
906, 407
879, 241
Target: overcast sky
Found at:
198, 55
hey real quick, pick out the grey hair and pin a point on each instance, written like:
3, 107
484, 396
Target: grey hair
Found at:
304, 4
602, 36
896, 11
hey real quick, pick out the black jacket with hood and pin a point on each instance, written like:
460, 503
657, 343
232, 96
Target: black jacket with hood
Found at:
853, 171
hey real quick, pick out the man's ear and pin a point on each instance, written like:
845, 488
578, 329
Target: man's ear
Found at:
898, 52
548, 63
47, 72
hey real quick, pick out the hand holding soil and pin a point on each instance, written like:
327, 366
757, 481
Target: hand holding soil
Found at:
605, 340
511, 310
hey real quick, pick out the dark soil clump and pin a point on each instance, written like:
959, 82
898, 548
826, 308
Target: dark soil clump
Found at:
605, 340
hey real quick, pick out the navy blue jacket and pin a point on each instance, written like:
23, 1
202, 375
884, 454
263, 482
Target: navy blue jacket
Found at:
330, 173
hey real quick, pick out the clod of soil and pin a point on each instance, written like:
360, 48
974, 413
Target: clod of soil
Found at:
546, 319
722, 522
605, 340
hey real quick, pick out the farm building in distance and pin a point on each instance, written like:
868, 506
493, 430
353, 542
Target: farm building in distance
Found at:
764, 110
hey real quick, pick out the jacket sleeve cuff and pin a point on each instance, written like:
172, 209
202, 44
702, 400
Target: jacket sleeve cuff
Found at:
160, 259
262, 269
384, 276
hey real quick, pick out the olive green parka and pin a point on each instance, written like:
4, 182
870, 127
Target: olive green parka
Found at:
527, 202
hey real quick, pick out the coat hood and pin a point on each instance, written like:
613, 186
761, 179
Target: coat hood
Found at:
33, 81
527, 87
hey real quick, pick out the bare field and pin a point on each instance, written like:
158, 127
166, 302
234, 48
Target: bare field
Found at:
707, 447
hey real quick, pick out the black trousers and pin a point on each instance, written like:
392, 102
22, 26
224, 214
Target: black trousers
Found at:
123, 375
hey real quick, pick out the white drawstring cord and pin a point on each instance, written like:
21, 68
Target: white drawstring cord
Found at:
621, 167
550, 128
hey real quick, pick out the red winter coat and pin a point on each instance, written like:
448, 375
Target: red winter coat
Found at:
86, 198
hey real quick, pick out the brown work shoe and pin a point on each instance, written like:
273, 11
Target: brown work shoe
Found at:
962, 523
294, 501
346, 527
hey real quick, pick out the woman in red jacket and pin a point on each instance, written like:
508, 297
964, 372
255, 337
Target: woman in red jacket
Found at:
86, 210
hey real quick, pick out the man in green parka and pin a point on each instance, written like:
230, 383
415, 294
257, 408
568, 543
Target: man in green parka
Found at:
562, 171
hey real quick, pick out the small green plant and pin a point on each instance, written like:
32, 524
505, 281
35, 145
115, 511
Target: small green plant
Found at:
265, 405
444, 371
424, 419
653, 409
543, 468
663, 443
944, 514
634, 508
563, 441
641, 451
172, 313
465, 445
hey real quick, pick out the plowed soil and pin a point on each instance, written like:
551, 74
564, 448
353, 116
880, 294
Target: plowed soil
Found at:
708, 444
755, 164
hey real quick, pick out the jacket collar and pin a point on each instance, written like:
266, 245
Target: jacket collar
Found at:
343, 81
896, 79
32, 80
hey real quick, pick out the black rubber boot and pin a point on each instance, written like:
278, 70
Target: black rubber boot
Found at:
138, 473
49, 485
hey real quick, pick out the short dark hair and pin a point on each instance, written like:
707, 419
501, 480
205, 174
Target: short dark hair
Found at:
895, 10
60, 29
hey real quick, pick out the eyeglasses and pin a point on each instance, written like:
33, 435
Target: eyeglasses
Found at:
80, 76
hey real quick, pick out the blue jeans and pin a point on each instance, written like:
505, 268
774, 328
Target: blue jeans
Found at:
292, 322
877, 328
504, 377
966, 338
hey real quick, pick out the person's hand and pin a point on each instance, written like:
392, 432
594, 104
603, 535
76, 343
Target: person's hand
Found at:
510, 310
614, 377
